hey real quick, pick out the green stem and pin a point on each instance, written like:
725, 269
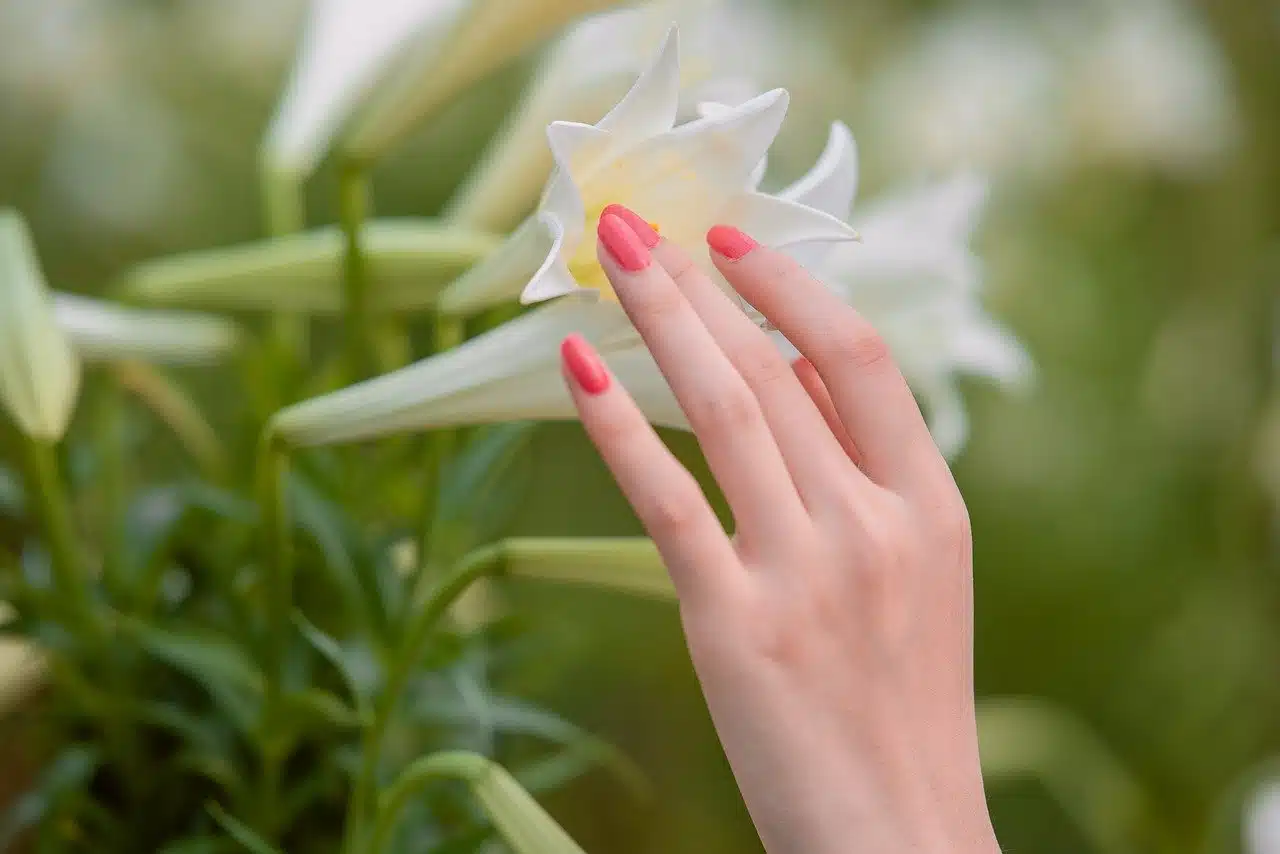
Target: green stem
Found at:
449, 332
69, 573
284, 213
455, 765
425, 619
353, 208
110, 440
273, 467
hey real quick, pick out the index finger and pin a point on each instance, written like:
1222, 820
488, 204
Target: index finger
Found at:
870, 394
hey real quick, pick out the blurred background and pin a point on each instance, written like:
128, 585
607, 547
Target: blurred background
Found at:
1124, 506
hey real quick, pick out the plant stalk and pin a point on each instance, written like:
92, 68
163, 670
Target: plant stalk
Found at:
353, 209
449, 332
425, 618
70, 574
273, 468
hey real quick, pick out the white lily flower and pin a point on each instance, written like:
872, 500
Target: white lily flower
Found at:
371, 68
684, 178
916, 281
590, 68
39, 371
104, 331
687, 178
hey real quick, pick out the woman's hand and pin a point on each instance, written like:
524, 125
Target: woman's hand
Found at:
832, 633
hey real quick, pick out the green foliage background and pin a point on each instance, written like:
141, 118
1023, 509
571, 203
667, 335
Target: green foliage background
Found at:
1126, 560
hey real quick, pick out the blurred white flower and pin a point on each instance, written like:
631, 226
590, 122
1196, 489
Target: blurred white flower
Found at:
371, 68
39, 371
687, 179
916, 280
1147, 85
976, 90
1262, 820
1026, 91
103, 331
590, 68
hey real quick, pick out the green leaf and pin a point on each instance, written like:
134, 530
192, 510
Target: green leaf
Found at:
523, 824
409, 263
509, 716
329, 529
241, 832
333, 652
313, 709
68, 773
481, 489
12, 500
214, 662
194, 845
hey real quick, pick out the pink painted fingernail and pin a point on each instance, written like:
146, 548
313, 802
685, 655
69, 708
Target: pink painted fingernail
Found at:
644, 230
729, 241
623, 243
584, 365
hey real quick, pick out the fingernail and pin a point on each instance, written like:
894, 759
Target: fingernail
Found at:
729, 241
582, 363
622, 243
647, 233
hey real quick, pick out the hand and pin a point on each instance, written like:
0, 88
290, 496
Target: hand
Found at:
832, 633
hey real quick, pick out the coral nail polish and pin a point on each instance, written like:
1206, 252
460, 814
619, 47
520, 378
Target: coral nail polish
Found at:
647, 233
622, 243
583, 365
729, 241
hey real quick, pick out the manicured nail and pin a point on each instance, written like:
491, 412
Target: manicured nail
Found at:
729, 241
645, 231
582, 363
622, 243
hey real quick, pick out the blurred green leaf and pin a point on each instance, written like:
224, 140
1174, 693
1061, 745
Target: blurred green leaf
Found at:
241, 832
332, 651
69, 772
12, 501
521, 822
217, 664
481, 489
315, 709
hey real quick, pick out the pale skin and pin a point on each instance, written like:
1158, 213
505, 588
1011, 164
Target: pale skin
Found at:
832, 632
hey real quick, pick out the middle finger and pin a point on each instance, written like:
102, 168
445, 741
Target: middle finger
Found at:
724, 414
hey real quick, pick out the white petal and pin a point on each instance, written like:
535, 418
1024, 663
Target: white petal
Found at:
39, 371
576, 151
650, 107
345, 47
431, 393
778, 222
1262, 819
505, 273
944, 211
685, 177
982, 347
948, 419
831, 184
553, 278
488, 35
103, 331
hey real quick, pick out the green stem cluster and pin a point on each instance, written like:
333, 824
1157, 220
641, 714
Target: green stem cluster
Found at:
273, 468
424, 620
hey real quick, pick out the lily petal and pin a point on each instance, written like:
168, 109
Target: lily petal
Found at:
487, 36
780, 223
103, 331
39, 371
429, 393
345, 47
831, 184
651, 106
529, 253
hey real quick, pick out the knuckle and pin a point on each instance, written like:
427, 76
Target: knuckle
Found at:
680, 268
727, 412
676, 510
657, 302
760, 365
861, 346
